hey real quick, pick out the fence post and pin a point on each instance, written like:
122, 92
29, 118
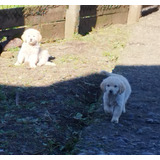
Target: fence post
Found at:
72, 20
134, 13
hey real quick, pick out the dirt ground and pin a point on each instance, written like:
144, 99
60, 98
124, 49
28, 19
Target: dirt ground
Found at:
138, 130
58, 110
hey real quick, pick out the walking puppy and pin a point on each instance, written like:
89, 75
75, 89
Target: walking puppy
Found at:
31, 52
116, 90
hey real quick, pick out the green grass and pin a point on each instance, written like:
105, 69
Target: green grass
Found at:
2, 95
110, 56
10, 6
13, 49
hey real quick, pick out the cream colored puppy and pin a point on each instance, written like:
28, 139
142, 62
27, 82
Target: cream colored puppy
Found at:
116, 90
31, 52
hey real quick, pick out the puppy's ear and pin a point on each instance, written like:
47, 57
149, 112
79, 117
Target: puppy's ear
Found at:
23, 36
39, 37
103, 86
121, 88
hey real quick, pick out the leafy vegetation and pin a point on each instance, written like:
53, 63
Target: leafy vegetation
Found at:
10, 6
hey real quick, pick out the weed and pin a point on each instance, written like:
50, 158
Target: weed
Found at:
78, 116
51, 145
3, 39
110, 56
10, 6
69, 58
13, 49
71, 142
2, 95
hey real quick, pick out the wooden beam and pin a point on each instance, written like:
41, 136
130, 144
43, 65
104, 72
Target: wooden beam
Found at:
72, 20
134, 13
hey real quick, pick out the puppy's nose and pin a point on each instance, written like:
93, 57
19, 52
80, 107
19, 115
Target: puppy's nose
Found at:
111, 91
31, 40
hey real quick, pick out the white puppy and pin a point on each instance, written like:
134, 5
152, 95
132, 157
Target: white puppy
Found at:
31, 52
116, 90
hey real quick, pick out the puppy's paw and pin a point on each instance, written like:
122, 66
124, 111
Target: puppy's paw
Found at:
50, 64
40, 64
124, 110
17, 64
32, 66
114, 120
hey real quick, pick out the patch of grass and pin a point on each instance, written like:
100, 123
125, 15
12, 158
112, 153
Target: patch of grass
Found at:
3, 39
69, 58
2, 95
10, 6
14, 49
8, 133
118, 45
110, 56
71, 142
87, 38
51, 145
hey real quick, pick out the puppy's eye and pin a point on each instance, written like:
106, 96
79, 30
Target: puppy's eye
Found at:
115, 86
108, 85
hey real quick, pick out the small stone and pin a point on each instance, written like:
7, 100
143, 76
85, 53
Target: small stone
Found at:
151, 114
149, 120
143, 130
16, 42
140, 131
7, 54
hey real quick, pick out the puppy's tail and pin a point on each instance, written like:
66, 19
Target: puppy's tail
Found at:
105, 73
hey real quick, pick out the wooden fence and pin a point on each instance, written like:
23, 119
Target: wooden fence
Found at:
61, 21
50, 20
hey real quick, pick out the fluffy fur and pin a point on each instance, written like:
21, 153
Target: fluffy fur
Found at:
116, 90
31, 52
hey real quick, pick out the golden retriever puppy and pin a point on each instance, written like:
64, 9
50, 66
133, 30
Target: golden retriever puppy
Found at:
31, 52
116, 90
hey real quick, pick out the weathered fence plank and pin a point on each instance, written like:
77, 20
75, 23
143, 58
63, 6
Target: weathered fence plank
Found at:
11, 18
58, 22
134, 13
100, 16
49, 20
53, 31
55, 14
72, 20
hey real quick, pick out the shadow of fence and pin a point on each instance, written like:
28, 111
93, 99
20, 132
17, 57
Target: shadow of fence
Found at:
56, 113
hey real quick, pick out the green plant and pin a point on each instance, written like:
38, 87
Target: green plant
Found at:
13, 49
10, 6
2, 95
110, 56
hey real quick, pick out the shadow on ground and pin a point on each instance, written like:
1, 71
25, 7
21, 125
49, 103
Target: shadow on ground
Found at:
46, 120
67, 117
138, 130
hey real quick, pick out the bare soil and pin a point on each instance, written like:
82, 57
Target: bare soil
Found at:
58, 110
